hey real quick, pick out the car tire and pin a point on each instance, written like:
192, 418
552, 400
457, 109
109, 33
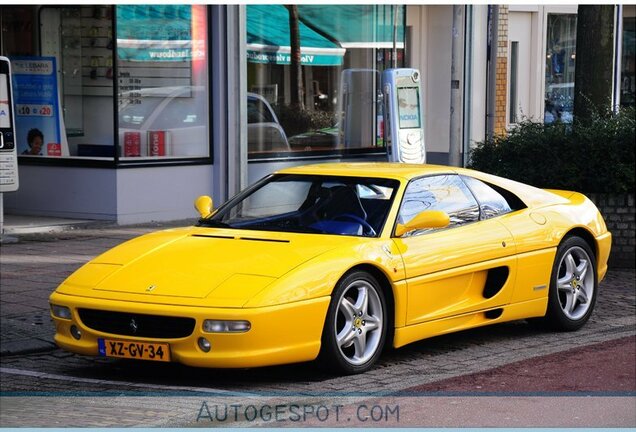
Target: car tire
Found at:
355, 329
573, 286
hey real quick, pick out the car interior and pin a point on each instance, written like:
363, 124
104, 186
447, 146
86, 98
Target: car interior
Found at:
330, 208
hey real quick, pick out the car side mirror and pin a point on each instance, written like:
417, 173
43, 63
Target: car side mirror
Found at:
204, 205
424, 220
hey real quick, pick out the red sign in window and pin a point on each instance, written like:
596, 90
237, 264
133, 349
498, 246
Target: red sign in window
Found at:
54, 149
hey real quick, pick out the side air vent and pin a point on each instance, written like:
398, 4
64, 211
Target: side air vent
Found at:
494, 314
496, 279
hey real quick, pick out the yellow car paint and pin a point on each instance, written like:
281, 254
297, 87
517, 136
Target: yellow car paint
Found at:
281, 282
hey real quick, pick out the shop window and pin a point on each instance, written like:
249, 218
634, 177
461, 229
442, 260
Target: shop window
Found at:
559, 68
78, 71
334, 108
62, 60
628, 60
162, 99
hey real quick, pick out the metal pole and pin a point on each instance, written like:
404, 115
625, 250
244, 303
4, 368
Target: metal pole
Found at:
491, 84
455, 133
618, 38
468, 84
237, 100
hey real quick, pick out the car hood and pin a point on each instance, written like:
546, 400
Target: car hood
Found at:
197, 266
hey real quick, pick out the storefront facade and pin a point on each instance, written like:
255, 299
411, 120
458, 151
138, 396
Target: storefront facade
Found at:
129, 112
119, 97
540, 56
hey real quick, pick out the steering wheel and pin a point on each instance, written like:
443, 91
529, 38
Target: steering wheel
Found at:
368, 228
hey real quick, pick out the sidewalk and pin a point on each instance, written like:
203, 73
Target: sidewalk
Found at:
41, 253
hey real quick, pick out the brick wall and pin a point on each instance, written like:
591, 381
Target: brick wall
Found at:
619, 213
502, 72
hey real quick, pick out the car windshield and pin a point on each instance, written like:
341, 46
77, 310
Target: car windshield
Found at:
310, 204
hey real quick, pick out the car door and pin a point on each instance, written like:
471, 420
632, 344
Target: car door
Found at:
465, 267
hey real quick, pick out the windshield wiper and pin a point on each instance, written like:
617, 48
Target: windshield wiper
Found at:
213, 223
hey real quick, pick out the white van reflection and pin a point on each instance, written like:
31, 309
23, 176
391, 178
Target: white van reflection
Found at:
264, 132
182, 112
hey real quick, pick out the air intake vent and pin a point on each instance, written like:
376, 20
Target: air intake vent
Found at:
496, 279
132, 324
494, 314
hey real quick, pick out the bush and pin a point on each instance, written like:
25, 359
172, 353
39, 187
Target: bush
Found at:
295, 120
593, 156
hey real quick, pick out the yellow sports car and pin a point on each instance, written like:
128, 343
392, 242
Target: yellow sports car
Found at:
339, 261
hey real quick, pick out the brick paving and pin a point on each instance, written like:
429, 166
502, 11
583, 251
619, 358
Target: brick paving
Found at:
606, 367
32, 268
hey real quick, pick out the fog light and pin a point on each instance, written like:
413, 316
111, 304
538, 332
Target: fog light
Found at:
204, 344
217, 326
61, 312
75, 332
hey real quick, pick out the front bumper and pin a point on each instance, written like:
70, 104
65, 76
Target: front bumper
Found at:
281, 334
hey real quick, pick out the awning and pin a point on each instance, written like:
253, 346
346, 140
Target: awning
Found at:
356, 26
268, 39
154, 32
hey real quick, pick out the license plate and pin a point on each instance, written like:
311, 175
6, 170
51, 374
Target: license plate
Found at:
134, 350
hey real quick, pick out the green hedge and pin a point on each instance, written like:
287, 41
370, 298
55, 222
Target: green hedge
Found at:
595, 156
295, 120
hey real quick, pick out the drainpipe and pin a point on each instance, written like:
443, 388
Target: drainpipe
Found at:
491, 83
457, 44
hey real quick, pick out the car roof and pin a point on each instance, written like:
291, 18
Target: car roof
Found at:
530, 195
370, 169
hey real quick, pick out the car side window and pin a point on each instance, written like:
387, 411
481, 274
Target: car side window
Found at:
447, 193
491, 202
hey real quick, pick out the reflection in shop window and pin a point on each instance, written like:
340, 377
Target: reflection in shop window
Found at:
628, 60
62, 79
559, 69
162, 81
343, 51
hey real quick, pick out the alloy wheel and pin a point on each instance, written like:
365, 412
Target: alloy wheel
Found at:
575, 283
359, 322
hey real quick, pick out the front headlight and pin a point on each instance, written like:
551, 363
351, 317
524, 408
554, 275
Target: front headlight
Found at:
218, 326
61, 312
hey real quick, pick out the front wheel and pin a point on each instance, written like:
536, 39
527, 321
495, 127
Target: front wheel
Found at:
573, 286
356, 325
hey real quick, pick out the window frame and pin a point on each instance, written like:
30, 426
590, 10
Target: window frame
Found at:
436, 230
370, 153
246, 193
481, 218
115, 161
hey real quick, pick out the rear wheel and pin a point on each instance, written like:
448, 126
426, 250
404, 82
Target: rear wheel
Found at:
573, 286
356, 325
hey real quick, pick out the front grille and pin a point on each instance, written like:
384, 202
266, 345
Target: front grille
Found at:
133, 324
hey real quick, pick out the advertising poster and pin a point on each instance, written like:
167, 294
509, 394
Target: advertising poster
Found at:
37, 113
5, 118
